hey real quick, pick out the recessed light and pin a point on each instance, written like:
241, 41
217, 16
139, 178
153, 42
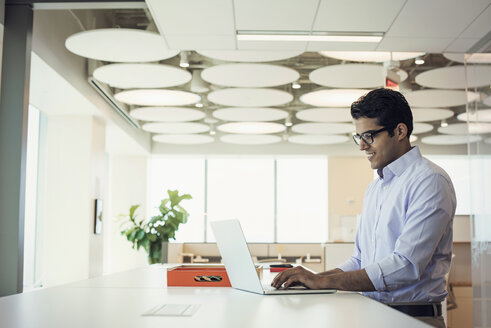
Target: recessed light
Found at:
324, 37
370, 56
296, 85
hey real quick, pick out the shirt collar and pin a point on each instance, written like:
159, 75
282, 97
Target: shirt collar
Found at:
398, 166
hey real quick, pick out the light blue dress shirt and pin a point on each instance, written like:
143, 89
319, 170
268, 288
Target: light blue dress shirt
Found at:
404, 238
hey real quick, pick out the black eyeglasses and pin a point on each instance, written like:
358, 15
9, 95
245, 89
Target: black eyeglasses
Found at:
367, 137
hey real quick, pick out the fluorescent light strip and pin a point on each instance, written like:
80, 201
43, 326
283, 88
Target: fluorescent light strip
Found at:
309, 38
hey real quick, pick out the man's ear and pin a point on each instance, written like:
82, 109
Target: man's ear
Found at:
401, 131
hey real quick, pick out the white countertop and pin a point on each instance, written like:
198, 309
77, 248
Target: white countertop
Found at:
119, 300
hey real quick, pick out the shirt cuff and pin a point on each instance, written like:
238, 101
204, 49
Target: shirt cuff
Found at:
376, 277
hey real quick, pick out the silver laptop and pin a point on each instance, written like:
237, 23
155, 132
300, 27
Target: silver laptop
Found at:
238, 261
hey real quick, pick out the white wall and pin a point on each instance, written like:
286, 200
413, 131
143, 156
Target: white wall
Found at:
98, 188
64, 205
71, 175
127, 187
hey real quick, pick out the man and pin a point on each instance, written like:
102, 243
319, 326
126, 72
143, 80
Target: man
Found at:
403, 245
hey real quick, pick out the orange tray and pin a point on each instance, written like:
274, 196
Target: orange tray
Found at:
200, 276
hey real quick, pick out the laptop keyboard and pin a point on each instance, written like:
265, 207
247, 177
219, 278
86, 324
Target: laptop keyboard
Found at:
269, 287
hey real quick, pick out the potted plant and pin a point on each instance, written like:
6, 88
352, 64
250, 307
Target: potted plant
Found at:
155, 233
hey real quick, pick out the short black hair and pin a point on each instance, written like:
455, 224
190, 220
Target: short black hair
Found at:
389, 107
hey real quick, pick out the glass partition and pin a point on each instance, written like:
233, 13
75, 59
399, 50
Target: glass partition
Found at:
479, 153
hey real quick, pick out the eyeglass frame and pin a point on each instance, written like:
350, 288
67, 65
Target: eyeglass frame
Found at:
367, 135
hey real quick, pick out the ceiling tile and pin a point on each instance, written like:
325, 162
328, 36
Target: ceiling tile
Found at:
480, 27
357, 15
461, 45
201, 42
188, 17
414, 44
436, 18
282, 15
271, 45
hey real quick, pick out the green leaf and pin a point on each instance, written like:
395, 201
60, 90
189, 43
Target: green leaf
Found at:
132, 210
140, 234
129, 231
152, 237
132, 234
146, 244
181, 209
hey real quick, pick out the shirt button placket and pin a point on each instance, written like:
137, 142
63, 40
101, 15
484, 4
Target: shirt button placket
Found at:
377, 217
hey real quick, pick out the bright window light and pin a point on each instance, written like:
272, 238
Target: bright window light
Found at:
302, 199
186, 175
243, 189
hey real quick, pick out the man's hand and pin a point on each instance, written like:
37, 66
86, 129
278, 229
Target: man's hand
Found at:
297, 276
336, 279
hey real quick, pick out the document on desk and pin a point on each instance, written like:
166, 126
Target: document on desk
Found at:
172, 310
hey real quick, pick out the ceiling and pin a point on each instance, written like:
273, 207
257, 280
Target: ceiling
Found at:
407, 25
191, 28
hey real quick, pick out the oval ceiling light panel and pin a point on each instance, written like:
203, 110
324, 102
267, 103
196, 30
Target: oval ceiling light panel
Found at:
175, 128
431, 114
323, 128
413, 138
250, 97
370, 56
481, 115
249, 55
250, 139
244, 75
167, 114
325, 115
312, 139
476, 58
349, 76
450, 140
183, 139
251, 127
157, 97
464, 128
456, 77
133, 76
248, 114
119, 45
419, 128
332, 98
439, 98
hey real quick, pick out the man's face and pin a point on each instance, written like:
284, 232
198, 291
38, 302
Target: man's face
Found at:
384, 149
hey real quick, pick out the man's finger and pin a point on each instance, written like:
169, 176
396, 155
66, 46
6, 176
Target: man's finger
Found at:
282, 277
292, 281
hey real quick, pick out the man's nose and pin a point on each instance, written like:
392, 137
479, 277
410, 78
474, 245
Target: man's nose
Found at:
363, 145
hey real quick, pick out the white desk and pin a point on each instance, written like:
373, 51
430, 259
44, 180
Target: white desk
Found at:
118, 301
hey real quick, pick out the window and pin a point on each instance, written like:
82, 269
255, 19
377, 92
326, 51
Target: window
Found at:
275, 199
302, 199
243, 189
457, 167
187, 176
31, 198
